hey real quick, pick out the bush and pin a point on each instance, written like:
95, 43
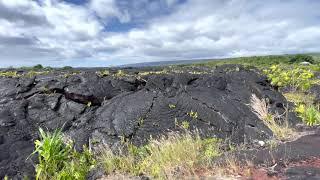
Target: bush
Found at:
58, 160
37, 67
288, 76
67, 68
302, 58
12, 74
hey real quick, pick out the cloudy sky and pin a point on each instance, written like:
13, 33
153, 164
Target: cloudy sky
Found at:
113, 32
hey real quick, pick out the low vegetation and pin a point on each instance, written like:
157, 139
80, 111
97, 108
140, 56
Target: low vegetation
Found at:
59, 160
161, 159
295, 78
305, 107
164, 157
281, 131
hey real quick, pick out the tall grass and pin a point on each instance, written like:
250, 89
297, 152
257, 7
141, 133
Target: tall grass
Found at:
58, 160
161, 159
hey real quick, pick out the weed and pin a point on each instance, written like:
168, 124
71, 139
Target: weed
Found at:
58, 160
33, 73
120, 73
160, 158
89, 104
193, 115
153, 72
103, 73
140, 121
299, 97
67, 75
172, 106
185, 125
309, 114
11, 74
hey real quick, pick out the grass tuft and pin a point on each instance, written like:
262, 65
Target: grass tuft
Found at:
261, 108
58, 160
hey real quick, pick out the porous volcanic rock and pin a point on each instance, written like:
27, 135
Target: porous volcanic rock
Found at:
106, 109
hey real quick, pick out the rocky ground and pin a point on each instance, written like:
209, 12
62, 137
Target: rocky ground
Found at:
299, 159
98, 109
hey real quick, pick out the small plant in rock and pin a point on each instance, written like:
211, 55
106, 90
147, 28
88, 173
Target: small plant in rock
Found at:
140, 121
185, 125
33, 73
58, 160
103, 73
89, 104
12, 74
172, 106
193, 114
67, 75
120, 73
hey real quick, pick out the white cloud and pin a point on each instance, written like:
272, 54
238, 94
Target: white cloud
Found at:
55, 32
107, 8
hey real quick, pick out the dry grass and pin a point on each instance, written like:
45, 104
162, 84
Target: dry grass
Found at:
260, 107
299, 97
173, 156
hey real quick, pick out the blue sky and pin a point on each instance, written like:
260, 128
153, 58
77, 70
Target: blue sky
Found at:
114, 32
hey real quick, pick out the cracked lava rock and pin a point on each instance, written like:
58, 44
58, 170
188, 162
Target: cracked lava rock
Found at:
105, 109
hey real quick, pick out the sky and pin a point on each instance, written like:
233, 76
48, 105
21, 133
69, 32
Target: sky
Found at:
115, 32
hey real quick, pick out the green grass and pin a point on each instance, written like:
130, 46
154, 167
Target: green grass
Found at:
11, 74
299, 97
261, 61
58, 160
161, 158
257, 61
309, 114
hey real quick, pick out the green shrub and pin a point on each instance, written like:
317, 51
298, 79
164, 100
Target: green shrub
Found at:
12, 74
302, 58
58, 160
256, 61
103, 73
309, 114
193, 114
288, 76
37, 67
67, 68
